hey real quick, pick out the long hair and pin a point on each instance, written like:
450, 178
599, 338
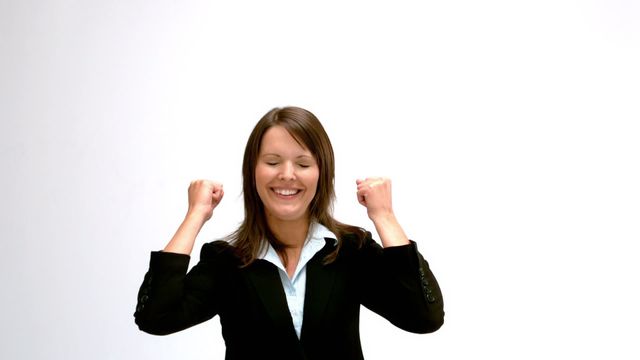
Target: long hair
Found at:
251, 236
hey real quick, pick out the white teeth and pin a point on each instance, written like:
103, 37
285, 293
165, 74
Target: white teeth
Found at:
285, 192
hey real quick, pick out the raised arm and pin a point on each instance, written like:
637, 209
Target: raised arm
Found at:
169, 299
396, 280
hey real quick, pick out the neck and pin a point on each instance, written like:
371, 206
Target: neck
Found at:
290, 234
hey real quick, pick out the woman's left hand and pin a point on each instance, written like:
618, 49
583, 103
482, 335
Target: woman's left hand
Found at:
375, 195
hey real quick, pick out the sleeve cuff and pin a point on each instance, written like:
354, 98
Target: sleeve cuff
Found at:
169, 262
402, 257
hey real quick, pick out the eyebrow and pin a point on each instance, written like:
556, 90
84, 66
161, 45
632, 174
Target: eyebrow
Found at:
297, 157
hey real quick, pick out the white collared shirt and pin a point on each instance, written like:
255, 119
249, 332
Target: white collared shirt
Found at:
294, 287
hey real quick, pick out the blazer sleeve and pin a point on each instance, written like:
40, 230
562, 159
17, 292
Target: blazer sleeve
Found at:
170, 299
398, 284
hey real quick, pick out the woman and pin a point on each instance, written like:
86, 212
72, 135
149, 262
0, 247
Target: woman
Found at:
289, 283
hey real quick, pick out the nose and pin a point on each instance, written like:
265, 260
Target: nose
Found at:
287, 171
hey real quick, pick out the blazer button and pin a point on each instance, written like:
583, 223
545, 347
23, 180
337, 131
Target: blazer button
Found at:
431, 298
144, 298
139, 307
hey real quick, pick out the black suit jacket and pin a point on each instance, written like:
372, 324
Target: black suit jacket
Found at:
394, 282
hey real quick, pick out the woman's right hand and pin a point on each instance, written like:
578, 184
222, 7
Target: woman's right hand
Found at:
204, 196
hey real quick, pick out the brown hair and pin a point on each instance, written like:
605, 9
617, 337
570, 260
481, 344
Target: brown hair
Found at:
249, 239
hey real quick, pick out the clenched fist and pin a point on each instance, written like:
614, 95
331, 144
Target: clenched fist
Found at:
375, 195
204, 196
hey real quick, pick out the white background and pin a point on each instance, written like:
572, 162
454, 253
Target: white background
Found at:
509, 129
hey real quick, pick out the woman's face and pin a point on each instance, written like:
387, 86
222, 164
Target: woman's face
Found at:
286, 176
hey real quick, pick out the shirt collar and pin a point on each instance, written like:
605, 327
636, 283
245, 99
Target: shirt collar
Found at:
315, 239
318, 231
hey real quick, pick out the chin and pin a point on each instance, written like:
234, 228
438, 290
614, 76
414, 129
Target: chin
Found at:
287, 215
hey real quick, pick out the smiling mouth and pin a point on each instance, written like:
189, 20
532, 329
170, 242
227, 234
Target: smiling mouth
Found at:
286, 193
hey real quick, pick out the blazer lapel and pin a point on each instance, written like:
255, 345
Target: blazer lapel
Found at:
266, 280
320, 280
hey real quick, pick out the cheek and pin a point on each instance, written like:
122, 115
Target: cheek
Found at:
261, 179
262, 175
312, 181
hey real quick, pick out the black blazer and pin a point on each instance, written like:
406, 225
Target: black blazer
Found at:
394, 282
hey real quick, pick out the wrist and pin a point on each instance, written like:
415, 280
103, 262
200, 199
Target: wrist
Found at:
196, 218
383, 218
390, 231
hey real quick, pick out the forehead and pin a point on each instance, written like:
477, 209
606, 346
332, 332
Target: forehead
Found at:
278, 140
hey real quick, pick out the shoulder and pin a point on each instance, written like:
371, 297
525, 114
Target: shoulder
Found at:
219, 250
357, 242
